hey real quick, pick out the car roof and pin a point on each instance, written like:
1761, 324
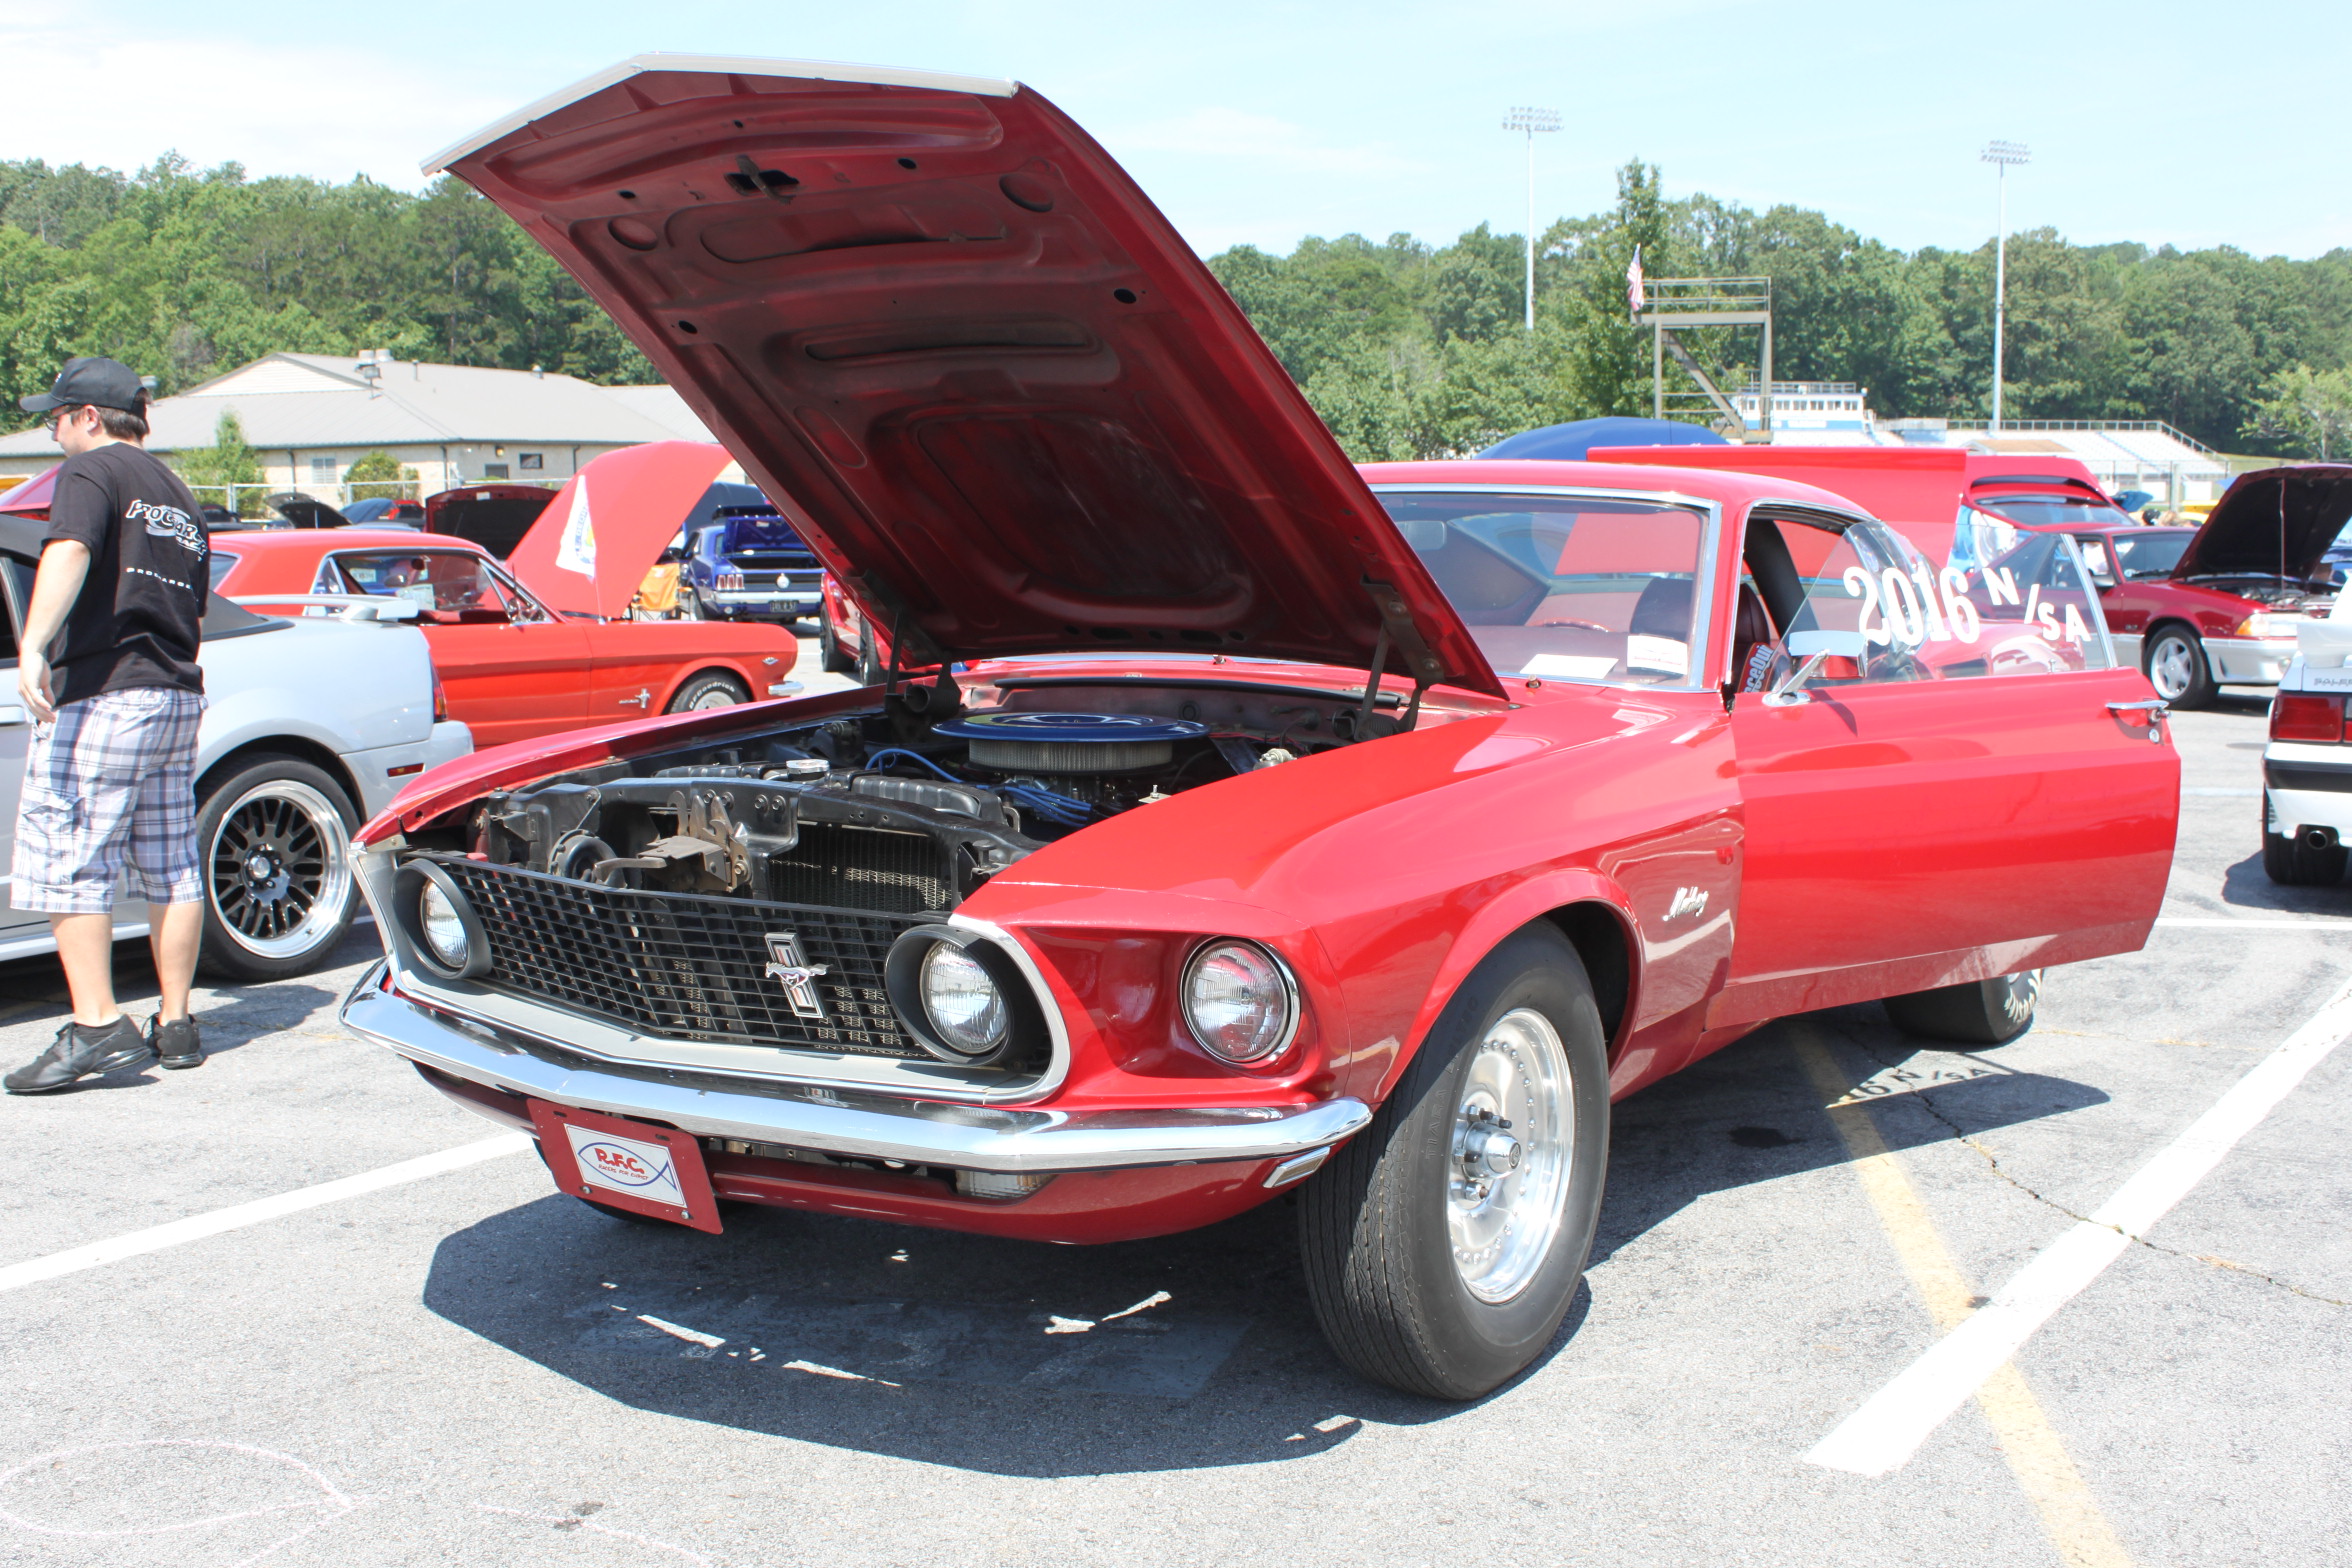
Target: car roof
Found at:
1726, 487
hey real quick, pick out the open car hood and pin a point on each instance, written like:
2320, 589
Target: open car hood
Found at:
2273, 522
603, 531
974, 366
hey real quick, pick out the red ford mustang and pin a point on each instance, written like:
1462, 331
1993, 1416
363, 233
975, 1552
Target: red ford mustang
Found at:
1292, 827
527, 646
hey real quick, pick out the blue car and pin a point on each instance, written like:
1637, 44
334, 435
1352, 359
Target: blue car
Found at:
742, 562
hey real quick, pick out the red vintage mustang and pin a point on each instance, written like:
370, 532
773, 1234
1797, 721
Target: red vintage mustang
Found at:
1163, 907
531, 645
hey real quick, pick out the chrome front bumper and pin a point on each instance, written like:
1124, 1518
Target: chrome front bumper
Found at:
829, 1121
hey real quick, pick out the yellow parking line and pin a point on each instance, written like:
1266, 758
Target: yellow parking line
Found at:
2036, 1457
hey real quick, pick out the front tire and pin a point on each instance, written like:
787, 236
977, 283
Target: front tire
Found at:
2177, 668
1972, 1013
710, 689
830, 658
278, 888
869, 658
1444, 1244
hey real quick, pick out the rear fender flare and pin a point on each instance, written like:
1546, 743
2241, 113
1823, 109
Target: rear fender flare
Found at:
1524, 905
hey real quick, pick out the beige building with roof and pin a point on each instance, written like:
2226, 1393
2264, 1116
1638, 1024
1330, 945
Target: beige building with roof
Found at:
309, 417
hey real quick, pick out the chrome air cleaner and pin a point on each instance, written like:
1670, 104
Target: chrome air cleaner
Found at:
1071, 742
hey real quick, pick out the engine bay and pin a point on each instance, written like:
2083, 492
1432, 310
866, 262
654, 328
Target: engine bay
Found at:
910, 807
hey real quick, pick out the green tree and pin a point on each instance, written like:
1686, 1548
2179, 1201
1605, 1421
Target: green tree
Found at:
228, 467
379, 474
2308, 410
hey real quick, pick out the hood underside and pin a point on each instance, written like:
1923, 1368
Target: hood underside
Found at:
979, 372
2274, 522
592, 546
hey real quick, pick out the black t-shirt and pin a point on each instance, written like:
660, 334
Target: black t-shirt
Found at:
136, 620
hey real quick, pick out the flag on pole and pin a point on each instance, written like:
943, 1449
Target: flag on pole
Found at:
575, 551
1636, 296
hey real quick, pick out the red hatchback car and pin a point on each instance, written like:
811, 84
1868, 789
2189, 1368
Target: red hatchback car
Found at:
1363, 834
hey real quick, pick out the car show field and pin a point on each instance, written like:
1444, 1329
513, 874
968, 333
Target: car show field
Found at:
962, 909
459, 1366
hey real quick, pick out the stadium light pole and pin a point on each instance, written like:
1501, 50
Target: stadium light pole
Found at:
2002, 155
1531, 121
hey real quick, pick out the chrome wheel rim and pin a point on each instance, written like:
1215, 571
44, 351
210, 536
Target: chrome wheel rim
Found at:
276, 872
716, 697
2172, 667
1514, 1139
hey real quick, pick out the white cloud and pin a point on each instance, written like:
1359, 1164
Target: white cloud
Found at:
93, 96
1217, 132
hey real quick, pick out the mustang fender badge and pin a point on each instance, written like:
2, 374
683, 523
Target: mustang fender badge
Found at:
1687, 901
797, 973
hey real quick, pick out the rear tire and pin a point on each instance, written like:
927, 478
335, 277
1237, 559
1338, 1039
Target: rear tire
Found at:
869, 660
710, 689
1973, 1013
1435, 1273
279, 895
689, 603
2176, 667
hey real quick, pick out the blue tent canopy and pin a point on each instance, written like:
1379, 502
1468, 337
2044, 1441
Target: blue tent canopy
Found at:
1570, 442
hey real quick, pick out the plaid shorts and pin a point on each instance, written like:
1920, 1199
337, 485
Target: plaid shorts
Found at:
112, 781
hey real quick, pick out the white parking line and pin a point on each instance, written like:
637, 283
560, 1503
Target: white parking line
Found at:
2232, 794
1886, 1432
2200, 923
198, 1226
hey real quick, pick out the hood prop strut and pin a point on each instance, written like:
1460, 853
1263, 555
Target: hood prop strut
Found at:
1396, 626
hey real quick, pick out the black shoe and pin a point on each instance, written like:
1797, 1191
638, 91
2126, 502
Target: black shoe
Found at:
79, 1052
176, 1043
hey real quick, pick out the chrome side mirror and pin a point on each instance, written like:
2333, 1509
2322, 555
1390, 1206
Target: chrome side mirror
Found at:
1809, 649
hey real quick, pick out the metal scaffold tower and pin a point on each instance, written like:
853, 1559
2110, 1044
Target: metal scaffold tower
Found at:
1679, 305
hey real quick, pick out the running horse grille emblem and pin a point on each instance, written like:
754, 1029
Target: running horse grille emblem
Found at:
799, 976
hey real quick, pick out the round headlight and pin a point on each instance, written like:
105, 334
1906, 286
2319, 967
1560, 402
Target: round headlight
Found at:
1239, 1001
961, 999
442, 927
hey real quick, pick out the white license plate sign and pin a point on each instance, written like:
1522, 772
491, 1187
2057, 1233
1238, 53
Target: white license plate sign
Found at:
626, 1165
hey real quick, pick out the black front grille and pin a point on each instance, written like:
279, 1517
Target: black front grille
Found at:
894, 873
684, 966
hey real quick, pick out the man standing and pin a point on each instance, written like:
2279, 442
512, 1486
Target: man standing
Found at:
108, 671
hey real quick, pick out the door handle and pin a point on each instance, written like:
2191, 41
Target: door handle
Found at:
2154, 707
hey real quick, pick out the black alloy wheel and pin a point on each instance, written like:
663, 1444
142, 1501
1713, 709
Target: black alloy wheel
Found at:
1445, 1242
278, 888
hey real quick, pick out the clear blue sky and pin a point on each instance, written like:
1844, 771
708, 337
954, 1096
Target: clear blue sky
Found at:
2161, 121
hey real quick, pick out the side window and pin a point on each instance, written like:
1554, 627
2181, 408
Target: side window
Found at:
2022, 604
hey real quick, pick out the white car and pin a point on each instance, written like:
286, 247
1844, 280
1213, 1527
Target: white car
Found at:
310, 726
2307, 766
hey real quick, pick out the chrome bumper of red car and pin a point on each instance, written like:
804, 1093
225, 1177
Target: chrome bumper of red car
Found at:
966, 1137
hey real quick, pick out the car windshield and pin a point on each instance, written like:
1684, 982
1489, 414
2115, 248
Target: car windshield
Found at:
1564, 587
2151, 555
445, 584
746, 535
2049, 511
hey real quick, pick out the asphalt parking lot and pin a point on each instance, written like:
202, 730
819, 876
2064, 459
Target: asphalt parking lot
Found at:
459, 1369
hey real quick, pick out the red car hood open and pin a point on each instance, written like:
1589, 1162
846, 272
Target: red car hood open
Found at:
982, 375
2273, 522
33, 496
603, 531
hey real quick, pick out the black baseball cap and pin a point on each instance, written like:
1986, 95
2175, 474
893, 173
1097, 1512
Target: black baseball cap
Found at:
100, 383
